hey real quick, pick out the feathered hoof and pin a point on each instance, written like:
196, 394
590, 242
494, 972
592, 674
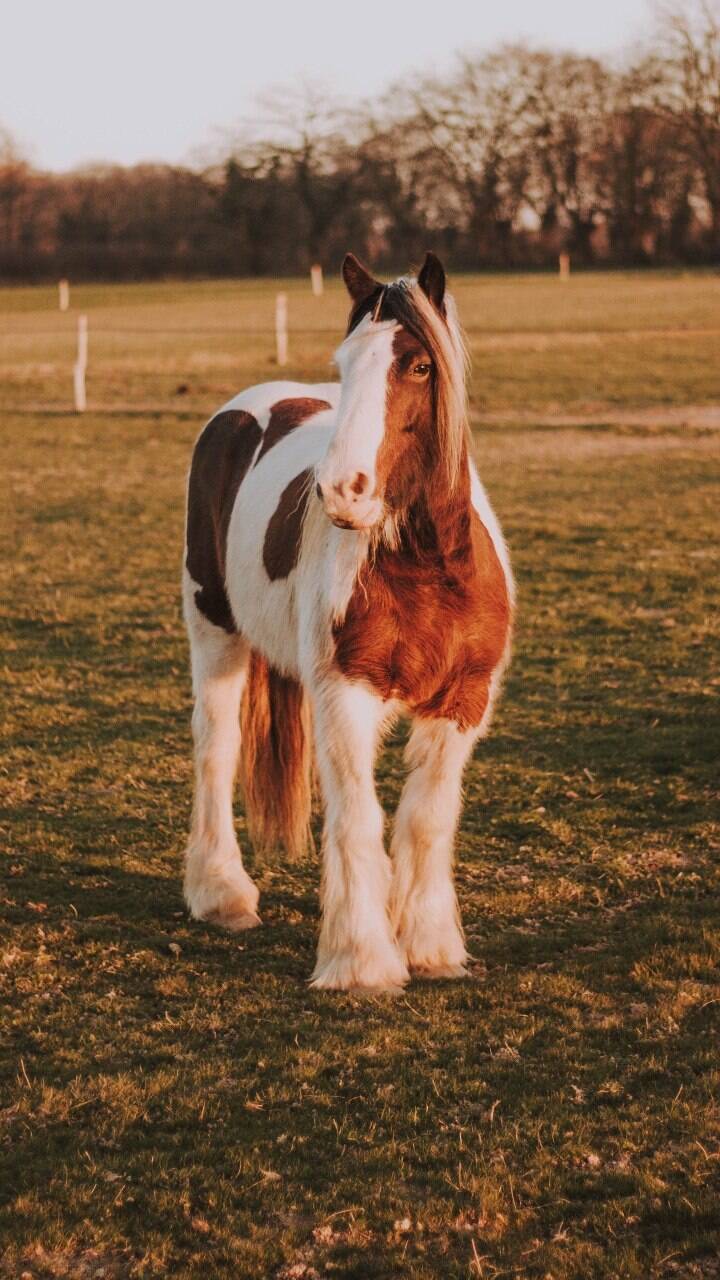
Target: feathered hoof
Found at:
235, 917
219, 891
347, 972
433, 954
442, 969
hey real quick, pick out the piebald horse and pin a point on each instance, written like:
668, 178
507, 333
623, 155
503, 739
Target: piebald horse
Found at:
343, 566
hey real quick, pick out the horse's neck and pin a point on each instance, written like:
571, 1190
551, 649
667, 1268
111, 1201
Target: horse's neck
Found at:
441, 519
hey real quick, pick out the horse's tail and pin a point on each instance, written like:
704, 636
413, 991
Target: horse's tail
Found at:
276, 755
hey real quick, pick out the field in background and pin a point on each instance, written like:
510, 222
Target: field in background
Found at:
592, 344
175, 1102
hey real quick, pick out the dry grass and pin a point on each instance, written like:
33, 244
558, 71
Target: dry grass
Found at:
175, 1102
619, 341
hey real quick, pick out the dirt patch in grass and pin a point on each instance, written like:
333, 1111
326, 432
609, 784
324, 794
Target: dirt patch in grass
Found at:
683, 417
587, 445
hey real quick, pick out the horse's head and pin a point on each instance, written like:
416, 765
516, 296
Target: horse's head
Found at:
402, 373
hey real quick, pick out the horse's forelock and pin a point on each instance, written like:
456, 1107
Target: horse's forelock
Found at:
405, 303
442, 338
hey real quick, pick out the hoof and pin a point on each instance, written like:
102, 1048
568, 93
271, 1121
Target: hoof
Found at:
235, 918
323, 983
436, 953
219, 891
428, 971
346, 973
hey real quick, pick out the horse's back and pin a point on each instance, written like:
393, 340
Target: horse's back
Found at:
260, 399
248, 481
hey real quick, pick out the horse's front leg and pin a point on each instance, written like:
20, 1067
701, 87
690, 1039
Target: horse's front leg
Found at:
424, 906
357, 949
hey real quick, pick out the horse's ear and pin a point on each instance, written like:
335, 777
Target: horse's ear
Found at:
432, 280
360, 282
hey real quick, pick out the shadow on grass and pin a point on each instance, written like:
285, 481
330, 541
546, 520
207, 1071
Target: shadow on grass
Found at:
104, 902
138, 1062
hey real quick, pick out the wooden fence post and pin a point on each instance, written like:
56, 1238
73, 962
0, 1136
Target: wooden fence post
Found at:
63, 294
564, 261
81, 365
316, 279
281, 329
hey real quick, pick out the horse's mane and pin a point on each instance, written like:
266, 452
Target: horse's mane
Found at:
404, 302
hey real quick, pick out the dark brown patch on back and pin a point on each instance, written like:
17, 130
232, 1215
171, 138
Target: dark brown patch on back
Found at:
285, 416
221, 459
281, 549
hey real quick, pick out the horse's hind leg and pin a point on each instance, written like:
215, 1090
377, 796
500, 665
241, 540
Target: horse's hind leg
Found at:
217, 886
424, 905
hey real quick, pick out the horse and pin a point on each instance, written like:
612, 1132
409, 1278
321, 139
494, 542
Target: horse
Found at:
343, 566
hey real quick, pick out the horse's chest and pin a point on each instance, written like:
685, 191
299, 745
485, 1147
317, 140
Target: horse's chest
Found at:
429, 639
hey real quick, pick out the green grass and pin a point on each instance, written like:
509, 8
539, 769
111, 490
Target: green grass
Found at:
176, 1102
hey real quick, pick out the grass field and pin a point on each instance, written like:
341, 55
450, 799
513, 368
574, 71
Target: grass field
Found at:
597, 344
175, 1102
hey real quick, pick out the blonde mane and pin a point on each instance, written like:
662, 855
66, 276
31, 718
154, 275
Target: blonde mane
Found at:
443, 339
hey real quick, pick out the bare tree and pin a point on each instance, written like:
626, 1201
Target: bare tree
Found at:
689, 46
645, 173
564, 120
506, 158
305, 136
14, 177
465, 147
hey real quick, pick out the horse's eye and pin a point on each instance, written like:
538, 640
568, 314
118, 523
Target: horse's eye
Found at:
421, 370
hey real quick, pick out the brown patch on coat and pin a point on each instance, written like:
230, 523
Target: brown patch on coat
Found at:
285, 416
428, 622
283, 536
221, 459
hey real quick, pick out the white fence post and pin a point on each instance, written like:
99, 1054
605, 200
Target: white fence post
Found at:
316, 280
281, 329
564, 261
64, 294
81, 365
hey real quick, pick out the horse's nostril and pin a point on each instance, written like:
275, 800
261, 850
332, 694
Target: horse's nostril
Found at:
360, 483
318, 490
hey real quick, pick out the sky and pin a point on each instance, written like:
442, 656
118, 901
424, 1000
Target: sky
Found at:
83, 81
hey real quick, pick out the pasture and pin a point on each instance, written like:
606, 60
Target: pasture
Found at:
175, 1101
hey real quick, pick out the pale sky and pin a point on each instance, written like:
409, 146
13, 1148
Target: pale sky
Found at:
88, 80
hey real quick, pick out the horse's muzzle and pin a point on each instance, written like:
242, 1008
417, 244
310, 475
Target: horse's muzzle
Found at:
350, 504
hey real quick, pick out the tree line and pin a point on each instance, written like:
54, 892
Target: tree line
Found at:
508, 159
